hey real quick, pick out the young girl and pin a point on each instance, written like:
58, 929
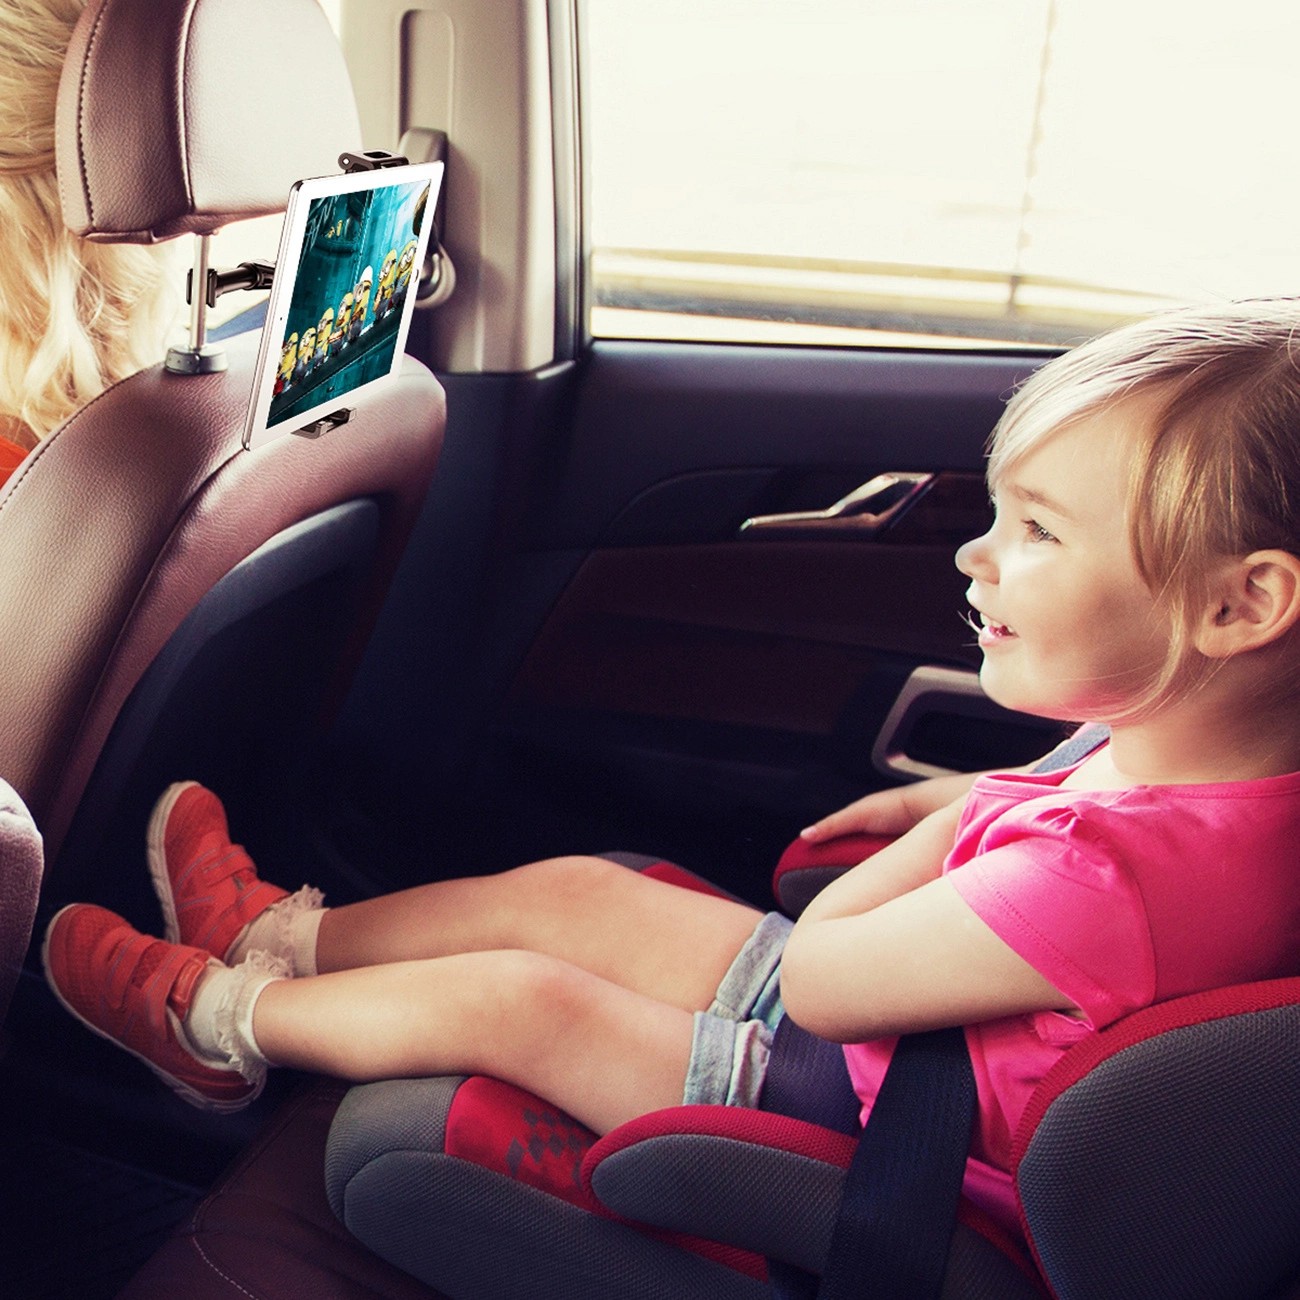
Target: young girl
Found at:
1142, 571
75, 316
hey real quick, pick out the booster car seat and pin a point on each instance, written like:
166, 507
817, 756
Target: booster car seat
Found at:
1158, 1158
169, 603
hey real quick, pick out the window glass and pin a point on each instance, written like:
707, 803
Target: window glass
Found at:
1022, 171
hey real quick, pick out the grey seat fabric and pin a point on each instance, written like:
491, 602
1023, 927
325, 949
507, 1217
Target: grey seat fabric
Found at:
21, 864
472, 1233
1184, 1158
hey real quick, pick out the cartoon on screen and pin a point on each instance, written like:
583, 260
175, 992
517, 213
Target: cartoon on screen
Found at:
288, 358
342, 326
387, 275
306, 350
405, 264
323, 335
360, 301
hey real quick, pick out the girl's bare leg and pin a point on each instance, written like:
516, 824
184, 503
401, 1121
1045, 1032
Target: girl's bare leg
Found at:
598, 1050
667, 943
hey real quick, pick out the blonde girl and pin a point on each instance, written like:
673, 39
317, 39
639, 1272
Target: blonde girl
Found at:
1141, 572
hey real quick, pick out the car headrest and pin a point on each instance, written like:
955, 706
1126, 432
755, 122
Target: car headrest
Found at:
181, 116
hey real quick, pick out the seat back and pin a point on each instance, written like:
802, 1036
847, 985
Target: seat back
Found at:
1162, 1155
114, 532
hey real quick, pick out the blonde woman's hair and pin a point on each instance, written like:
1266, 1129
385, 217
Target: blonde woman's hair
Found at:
1216, 466
75, 317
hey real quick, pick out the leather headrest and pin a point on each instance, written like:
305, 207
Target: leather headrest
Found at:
181, 116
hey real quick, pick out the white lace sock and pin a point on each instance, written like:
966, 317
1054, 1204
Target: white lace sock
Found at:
219, 1025
286, 929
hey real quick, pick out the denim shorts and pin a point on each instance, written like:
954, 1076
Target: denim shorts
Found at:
732, 1042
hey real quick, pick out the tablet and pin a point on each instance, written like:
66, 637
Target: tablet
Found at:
340, 308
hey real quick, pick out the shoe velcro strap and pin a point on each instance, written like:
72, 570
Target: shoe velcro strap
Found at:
170, 983
213, 868
123, 967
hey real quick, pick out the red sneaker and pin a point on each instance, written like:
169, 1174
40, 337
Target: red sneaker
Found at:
135, 990
208, 887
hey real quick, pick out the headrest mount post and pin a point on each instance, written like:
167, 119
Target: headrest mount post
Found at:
199, 307
201, 357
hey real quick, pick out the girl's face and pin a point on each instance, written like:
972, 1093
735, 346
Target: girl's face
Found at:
1070, 630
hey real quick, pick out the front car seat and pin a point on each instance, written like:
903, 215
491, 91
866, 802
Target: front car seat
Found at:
171, 605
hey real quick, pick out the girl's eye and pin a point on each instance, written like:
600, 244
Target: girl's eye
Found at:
1036, 532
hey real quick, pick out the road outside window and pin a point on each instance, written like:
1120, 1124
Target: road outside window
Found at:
1016, 172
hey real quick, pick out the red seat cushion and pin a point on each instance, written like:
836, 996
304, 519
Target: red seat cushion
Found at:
503, 1128
842, 851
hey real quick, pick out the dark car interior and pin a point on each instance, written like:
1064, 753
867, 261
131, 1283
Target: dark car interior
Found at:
458, 634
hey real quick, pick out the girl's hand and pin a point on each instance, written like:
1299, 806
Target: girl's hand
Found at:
892, 812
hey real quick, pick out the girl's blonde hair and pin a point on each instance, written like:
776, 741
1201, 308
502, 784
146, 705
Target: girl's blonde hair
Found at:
1216, 466
75, 316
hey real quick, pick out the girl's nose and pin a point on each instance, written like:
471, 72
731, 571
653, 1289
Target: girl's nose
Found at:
975, 559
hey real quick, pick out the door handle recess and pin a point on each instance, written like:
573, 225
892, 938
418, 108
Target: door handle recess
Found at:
955, 689
863, 513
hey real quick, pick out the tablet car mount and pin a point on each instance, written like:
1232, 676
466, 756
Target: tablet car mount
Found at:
204, 358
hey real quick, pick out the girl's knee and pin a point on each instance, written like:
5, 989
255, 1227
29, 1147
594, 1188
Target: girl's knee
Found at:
573, 878
529, 1002
516, 983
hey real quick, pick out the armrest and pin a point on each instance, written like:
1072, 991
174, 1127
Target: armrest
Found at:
806, 869
760, 1182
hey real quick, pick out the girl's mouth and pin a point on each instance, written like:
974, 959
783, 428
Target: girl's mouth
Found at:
992, 632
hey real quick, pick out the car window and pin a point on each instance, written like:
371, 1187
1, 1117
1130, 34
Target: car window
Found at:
1023, 171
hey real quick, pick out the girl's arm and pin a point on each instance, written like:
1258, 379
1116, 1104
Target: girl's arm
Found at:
891, 947
893, 811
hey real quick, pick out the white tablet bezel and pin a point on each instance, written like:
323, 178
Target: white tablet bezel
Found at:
287, 261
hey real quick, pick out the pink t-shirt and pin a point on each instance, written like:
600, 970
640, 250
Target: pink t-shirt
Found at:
1120, 898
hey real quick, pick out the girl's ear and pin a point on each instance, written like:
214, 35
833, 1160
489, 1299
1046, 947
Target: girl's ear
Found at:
1254, 601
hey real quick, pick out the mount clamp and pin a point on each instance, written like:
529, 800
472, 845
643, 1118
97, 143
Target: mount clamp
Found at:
247, 275
371, 160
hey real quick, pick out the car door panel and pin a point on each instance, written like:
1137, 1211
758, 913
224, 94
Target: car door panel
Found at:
599, 648
753, 634
647, 414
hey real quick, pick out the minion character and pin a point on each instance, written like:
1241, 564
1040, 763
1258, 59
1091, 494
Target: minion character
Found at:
405, 265
323, 336
384, 289
306, 351
361, 300
338, 335
288, 359
421, 206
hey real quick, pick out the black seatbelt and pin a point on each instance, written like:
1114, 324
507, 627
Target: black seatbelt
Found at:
899, 1206
807, 1078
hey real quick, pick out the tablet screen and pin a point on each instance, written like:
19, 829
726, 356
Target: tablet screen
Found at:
337, 325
